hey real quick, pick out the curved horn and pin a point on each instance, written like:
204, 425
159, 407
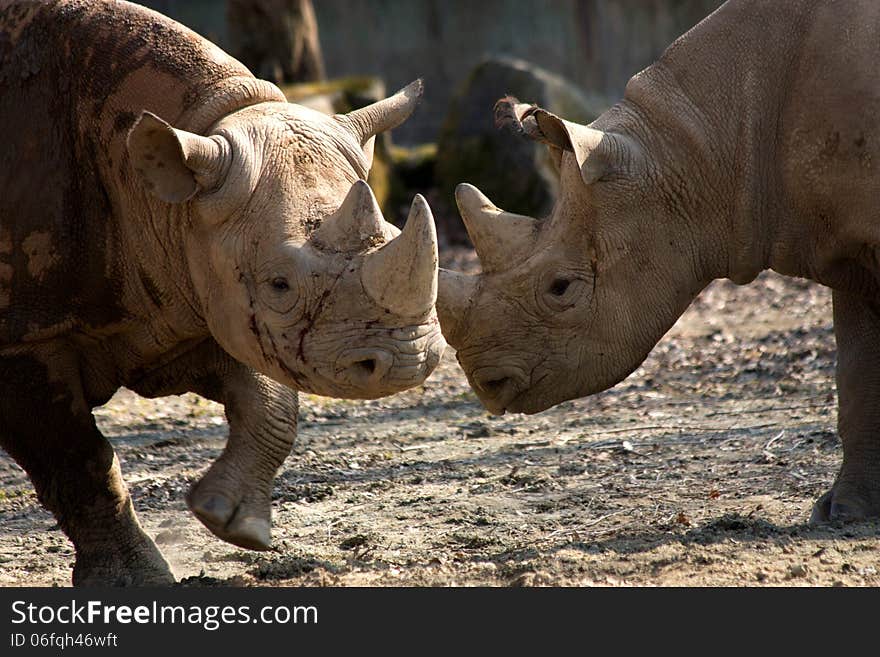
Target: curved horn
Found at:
402, 275
356, 224
500, 238
455, 293
384, 114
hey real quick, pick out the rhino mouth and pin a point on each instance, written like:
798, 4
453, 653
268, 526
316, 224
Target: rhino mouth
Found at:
522, 403
367, 369
509, 390
498, 386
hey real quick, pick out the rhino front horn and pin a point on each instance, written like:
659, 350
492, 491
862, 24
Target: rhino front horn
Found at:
402, 276
499, 238
357, 222
454, 298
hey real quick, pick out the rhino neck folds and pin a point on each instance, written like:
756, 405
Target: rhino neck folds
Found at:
693, 165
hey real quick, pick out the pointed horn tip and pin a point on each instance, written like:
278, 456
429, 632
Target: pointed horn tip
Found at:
361, 185
420, 206
421, 220
467, 197
358, 198
463, 190
414, 89
361, 189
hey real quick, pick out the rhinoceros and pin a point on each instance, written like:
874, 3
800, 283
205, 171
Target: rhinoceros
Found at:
170, 223
753, 143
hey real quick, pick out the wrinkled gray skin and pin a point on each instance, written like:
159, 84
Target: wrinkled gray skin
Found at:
752, 144
169, 223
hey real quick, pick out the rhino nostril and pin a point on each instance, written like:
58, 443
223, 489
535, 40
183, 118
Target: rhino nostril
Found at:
494, 386
498, 386
367, 366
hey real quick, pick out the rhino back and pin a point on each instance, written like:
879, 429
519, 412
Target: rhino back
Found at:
75, 75
829, 130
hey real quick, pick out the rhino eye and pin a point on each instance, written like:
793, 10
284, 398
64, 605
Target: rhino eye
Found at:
559, 286
280, 284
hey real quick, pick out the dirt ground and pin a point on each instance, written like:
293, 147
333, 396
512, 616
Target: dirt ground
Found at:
698, 470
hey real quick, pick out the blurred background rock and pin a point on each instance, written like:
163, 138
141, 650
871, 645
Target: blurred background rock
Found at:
276, 39
573, 57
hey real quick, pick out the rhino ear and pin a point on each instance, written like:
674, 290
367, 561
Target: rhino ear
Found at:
597, 153
175, 164
369, 121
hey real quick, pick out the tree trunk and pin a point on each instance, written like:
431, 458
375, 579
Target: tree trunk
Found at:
276, 39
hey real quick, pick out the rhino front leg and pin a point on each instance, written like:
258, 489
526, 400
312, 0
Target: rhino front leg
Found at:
48, 429
234, 498
856, 491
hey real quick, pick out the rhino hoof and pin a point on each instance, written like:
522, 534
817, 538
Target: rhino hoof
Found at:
830, 508
213, 510
231, 522
821, 510
252, 533
145, 567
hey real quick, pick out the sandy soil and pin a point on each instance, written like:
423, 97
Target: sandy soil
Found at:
698, 470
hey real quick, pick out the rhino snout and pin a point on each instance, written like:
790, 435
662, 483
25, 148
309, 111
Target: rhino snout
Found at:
497, 387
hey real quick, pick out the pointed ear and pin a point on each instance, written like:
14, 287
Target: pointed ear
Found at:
175, 164
597, 153
590, 147
383, 115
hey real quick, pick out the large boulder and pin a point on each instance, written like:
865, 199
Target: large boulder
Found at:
516, 173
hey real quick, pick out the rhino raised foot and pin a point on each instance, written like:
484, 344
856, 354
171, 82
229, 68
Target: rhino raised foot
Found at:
232, 505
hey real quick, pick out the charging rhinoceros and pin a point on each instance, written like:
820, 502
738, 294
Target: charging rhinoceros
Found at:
752, 144
170, 223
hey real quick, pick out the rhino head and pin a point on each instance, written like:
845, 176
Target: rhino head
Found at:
296, 272
571, 304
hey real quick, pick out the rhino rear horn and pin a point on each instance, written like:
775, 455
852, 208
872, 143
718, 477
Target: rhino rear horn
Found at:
357, 223
499, 238
175, 164
384, 114
402, 276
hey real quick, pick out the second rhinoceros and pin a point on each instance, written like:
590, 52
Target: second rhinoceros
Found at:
170, 223
752, 144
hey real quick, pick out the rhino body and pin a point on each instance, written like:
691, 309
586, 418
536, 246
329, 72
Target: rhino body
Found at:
752, 144
170, 223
